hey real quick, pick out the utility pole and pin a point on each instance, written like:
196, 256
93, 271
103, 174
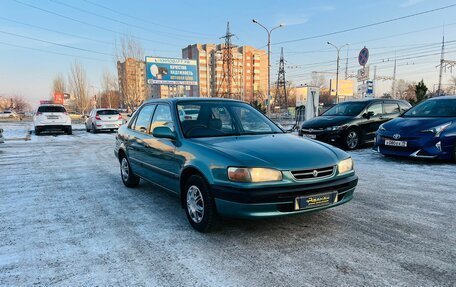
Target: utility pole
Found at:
346, 63
227, 65
394, 81
442, 60
374, 81
337, 71
268, 109
280, 98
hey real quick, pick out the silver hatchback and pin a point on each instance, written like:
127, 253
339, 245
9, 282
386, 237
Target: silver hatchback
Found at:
103, 119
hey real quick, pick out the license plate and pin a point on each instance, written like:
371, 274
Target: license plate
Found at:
396, 143
317, 200
52, 117
311, 136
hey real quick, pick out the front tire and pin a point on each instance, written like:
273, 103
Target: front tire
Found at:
37, 131
352, 139
94, 129
128, 178
199, 205
69, 131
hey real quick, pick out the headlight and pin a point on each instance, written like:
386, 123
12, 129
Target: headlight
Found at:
345, 165
335, 128
437, 130
243, 174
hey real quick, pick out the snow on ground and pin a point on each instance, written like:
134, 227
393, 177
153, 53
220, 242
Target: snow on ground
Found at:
66, 219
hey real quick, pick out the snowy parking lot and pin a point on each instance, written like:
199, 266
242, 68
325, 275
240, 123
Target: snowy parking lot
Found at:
67, 219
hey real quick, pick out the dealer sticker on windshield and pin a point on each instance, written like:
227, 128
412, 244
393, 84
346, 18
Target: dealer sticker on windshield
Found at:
318, 200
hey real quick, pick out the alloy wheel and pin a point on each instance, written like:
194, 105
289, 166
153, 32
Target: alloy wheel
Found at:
125, 169
352, 140
195, 204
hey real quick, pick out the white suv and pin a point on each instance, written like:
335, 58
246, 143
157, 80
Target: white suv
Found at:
52, 118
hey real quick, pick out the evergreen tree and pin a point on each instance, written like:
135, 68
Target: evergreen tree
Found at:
420, 92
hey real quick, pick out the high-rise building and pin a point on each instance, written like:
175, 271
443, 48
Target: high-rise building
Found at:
249, 72
132, 81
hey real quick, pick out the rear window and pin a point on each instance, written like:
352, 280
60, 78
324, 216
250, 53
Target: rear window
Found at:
51, 109
107, 112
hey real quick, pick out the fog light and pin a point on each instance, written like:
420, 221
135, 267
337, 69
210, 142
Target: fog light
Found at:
439, 146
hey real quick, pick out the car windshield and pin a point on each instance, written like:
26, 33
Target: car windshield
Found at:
51, 109
107, 112
346, 109
433, 108
223, 118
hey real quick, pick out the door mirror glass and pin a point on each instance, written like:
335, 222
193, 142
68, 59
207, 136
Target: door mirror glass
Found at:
163, 132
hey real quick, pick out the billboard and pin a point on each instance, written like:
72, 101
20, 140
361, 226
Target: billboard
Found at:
171, 71
346, 88
58, 98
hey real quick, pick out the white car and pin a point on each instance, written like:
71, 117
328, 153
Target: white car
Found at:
52, 118
8, 114
103, 119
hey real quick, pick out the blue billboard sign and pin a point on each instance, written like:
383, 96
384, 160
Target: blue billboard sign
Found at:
171, 71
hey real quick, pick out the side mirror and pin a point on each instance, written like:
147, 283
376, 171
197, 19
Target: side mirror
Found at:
368, 115
164, 133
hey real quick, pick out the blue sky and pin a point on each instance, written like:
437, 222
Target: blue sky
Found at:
165, 27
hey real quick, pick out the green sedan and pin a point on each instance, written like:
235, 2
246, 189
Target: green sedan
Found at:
228, 159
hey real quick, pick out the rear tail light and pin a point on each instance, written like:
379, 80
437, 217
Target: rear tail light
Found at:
120, 117
97, 117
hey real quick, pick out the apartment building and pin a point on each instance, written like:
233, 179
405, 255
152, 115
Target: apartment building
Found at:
249, 78
132, 80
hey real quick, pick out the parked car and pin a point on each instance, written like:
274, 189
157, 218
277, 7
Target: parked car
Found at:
103, 119
353, 123
428, 130
8, 114
52, 118
230, 161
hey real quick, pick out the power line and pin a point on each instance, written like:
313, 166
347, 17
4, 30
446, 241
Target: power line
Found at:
88, 24
367, 25
164, 34
146, 21
54, 31
52, 52
57, 44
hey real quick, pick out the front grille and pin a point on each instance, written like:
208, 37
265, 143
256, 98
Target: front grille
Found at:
313, 173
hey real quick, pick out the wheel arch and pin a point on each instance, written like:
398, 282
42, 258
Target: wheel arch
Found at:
185, 174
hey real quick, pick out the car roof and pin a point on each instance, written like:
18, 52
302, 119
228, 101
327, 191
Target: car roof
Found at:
50, 105
189, 99
449, 97
371, 100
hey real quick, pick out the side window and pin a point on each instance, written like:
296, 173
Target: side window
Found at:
143, 118
162, 118
391, 108
376, 109
404, 107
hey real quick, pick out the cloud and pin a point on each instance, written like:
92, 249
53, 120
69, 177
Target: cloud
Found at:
409, 3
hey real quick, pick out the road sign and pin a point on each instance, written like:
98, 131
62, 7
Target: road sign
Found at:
363, 56
363, 74
369, 87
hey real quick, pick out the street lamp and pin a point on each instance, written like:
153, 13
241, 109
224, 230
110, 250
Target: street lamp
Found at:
268, 108
337, 72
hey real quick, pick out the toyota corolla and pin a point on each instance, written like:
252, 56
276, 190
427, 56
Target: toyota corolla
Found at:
230, 160
428, 130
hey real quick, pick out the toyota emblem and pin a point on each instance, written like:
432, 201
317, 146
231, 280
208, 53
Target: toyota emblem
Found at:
315, 173
396, 136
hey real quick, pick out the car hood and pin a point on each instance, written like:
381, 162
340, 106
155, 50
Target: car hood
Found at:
280, 151
413, 125
326, 121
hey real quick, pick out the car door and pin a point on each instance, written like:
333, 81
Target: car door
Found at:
162, 163
374, 121
139, 132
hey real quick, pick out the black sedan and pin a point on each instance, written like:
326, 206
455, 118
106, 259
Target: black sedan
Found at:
352, 123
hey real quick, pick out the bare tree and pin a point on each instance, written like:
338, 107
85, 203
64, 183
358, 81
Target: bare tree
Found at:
21, 105
58, 85
130, 69
79, 87
401, 88
318, 80
110, 88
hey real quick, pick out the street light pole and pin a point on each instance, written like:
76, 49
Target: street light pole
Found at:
268, 108
337, 72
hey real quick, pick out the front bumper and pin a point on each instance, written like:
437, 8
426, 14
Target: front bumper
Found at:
278, 201
425, 146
